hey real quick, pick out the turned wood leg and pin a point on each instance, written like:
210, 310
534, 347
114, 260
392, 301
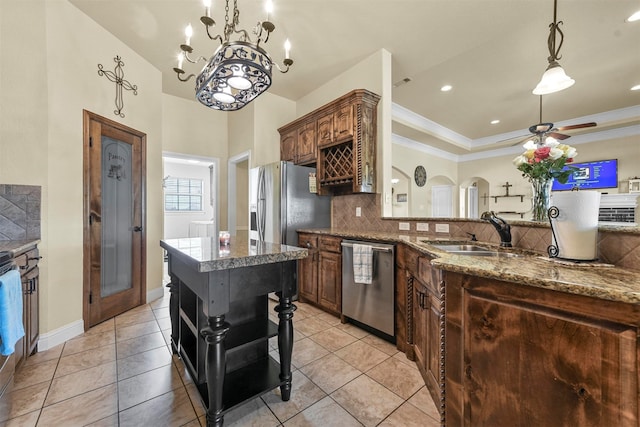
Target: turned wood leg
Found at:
174, 312
285, 343
214, 335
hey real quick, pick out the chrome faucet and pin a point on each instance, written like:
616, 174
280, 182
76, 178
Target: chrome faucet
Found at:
504, 229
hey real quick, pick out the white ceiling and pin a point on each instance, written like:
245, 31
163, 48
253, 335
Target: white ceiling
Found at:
493, 52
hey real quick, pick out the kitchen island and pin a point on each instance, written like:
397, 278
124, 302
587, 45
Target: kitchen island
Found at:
220, 323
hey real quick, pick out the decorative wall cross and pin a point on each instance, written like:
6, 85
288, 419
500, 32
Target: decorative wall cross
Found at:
117, 76
507, 186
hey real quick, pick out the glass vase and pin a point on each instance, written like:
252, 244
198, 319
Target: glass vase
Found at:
541, 198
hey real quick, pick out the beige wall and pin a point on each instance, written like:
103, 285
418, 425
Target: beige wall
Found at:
406, 159
241, 130
188, 127
271, 112
47, 79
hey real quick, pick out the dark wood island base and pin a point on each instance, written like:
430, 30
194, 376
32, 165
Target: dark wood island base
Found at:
220, 324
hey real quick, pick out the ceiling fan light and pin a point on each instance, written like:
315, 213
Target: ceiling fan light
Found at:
553, 80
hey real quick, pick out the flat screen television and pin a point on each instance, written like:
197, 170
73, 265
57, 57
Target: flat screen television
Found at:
591, 175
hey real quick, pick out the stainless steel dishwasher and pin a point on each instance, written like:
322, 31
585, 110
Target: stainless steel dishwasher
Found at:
370, 304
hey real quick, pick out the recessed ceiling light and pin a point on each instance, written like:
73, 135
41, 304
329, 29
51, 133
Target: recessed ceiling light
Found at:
495, 122
636, 87
634, 17
446, 88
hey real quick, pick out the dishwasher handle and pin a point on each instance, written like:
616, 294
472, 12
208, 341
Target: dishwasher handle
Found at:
375, 248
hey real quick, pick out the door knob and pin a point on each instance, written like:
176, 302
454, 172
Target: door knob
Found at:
137, 228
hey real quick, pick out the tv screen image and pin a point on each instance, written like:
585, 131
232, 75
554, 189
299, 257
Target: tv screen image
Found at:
591, 175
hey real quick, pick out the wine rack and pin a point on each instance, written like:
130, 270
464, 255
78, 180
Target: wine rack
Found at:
338, 164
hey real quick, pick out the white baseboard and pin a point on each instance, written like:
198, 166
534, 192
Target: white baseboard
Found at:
64, 333
58, 336
155, 294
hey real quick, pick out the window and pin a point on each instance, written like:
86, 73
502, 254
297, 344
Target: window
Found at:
182, 195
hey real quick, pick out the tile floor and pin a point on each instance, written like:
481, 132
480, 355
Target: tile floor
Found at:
122, 373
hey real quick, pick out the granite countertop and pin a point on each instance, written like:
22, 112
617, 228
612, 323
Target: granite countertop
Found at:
206, 253
17, 246
530, 269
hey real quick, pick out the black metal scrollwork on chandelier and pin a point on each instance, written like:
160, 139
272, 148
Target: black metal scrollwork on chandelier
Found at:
239, 70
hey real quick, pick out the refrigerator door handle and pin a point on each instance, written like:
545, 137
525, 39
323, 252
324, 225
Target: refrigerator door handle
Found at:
260, 208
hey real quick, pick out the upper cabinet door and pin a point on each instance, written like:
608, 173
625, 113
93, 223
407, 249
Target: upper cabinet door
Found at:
288, 146
343, 122
325, 129
306, 147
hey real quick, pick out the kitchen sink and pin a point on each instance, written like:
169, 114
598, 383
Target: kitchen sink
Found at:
474, 250
461, 248
496, 254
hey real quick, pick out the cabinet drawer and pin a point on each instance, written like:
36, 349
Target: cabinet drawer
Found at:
309, 241
331, 244
27, 260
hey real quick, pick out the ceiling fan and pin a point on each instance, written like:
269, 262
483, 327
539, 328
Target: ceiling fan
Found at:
543, 130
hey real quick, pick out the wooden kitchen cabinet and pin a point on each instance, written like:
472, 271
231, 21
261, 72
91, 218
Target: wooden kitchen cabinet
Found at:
420, 318
288, 143
298, 143
330, 273
428, 334
27, 263
335, 126
308, 268
527, 356
339, 139
406, 268
320, 274
306, 144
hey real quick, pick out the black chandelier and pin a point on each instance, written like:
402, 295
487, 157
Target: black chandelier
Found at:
239, 70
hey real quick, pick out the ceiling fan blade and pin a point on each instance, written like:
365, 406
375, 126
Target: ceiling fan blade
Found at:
558, 136
512, 138
523, 140
578, 126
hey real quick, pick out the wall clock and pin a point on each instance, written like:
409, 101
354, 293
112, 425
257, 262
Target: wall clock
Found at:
420, 176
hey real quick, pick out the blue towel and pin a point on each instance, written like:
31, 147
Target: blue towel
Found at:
362, 264
11, 329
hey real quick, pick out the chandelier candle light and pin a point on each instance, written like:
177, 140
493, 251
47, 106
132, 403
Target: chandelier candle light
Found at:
541, 163
240, 69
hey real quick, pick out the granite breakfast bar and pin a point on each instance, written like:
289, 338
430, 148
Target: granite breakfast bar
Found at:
220, 323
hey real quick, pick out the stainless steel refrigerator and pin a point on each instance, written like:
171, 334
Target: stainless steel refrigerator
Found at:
280, 202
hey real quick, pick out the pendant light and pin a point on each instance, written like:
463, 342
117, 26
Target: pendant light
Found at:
554, 78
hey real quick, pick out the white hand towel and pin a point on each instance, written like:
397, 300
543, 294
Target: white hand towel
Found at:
362, 263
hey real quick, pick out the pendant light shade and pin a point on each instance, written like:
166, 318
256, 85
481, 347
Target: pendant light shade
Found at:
553, 80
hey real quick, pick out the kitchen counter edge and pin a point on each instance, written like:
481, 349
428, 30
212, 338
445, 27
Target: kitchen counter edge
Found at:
205, 253
593, 280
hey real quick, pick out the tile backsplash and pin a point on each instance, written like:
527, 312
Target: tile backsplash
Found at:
20, 212
620, 248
